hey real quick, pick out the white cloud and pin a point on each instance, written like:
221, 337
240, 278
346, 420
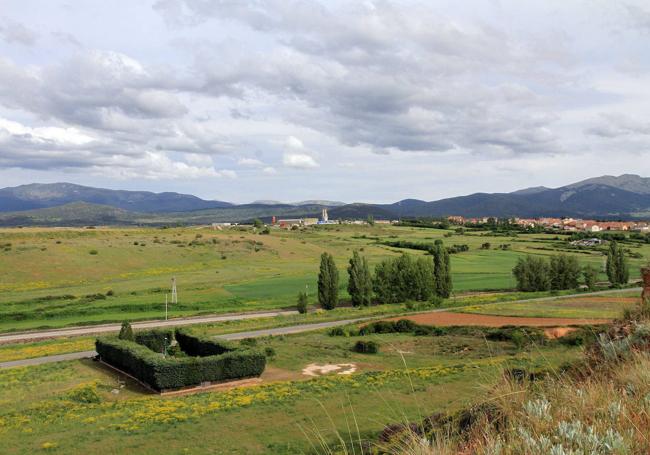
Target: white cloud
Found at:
250, 162
294, 143
269, 170
299, 161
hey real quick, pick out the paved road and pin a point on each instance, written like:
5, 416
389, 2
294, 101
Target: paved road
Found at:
228, 336
264, 332
97, 329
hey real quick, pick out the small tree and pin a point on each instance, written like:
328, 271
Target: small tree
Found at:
302, 303
126, 332
564, 272
590, 275
618, 271
257, 223
612, 263
370, 220
328, 282
532, 274
360, 281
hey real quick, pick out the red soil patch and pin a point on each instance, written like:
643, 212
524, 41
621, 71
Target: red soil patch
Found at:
446, 318
558, 332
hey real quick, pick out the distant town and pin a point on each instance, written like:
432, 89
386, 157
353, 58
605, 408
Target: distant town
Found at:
564, 224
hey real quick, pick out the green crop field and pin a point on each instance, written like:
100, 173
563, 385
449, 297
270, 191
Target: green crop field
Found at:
80, 406
59, 277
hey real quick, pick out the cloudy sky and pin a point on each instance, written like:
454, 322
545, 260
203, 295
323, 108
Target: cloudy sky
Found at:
371, 101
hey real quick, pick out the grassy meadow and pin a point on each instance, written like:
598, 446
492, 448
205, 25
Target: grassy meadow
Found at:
61, 277
55, 277
82, 407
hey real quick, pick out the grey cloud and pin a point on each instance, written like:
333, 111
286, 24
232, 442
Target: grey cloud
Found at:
88, 88
612, 126
15, 32
386, 77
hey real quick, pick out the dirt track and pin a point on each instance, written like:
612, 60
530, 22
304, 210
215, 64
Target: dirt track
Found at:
447, 318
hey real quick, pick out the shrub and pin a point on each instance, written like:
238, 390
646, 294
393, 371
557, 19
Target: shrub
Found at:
401, 326
93, 252
269, 351
337, 332
405, 325
302, 303
110, 293
429, 330
366, 347
85, 393
126, 332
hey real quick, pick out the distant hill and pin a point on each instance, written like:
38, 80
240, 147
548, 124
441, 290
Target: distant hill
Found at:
73, 214
42, 195
626, 196
607, 197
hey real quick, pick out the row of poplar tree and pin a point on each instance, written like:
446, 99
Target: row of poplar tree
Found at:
395, 280
534, 273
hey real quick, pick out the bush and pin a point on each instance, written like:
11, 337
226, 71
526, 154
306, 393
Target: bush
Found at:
366, 347
126, 332
401, 326
520, 336
337, 332
429, 330
269, 351
93, 252
302, 303
405, 326
85, 393
249, 342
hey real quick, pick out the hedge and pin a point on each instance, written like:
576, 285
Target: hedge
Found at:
155, 339
163, 373
199, 345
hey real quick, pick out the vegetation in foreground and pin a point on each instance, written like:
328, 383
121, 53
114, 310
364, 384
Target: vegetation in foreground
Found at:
81, 407
598, 405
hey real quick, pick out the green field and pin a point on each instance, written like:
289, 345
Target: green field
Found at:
51, 279
71, 407
606, 306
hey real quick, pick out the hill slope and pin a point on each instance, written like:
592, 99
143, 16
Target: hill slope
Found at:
38, 195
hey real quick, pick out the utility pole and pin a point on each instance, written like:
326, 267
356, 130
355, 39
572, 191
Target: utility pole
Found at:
174, 293
165, 307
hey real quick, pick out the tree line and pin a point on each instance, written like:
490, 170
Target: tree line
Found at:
395, 280
560, 272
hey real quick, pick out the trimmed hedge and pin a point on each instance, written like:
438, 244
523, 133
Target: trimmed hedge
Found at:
163, 373
199, 345
155, 339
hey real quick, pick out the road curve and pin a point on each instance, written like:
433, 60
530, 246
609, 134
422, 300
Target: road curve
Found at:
229, 336
106, 328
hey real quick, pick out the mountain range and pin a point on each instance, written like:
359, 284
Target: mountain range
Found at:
607, 197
